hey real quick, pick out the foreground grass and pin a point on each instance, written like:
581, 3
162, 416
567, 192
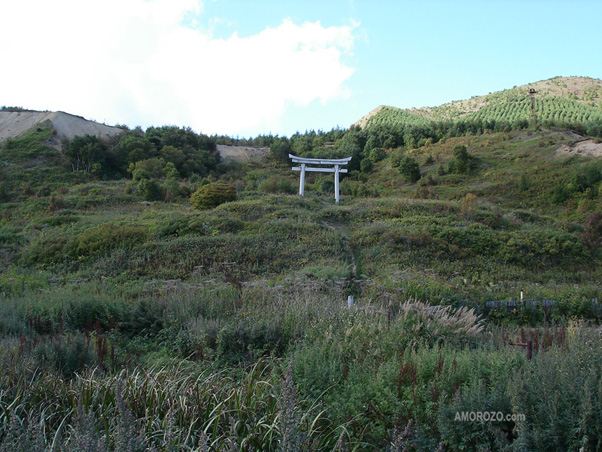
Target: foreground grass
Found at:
284, 367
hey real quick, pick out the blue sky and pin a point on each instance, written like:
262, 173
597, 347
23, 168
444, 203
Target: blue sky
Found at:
245, 68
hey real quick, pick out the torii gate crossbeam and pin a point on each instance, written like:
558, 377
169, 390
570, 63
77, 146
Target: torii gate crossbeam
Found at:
336, 169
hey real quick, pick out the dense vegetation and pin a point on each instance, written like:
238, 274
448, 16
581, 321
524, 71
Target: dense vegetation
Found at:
573, 100
137, 316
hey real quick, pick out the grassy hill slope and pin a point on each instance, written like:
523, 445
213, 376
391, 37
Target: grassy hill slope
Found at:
130, 322
568, 99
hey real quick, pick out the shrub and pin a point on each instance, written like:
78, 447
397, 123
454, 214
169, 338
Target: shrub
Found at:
108, 236
480, 434
366, 165
592, 231
410, 169
377, 154
327, 186
150, 190
66, 355
56, 202
153, 168
212, 195
559, 194
462, 161
277, 184
49, 250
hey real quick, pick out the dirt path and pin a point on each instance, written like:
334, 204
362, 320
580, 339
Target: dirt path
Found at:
339, 228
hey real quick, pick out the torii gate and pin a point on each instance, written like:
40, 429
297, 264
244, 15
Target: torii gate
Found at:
336, 163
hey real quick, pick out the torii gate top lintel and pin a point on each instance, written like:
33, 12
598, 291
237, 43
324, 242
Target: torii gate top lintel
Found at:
336, 163
296, 159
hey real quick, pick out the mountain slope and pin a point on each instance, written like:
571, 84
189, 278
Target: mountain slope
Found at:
566, 99
16, 123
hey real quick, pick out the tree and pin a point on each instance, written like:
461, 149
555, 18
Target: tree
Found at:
148, 169
462, 162
366, 165
377, 154
150, 190
137, 148
83, 152
280, 149
410, 169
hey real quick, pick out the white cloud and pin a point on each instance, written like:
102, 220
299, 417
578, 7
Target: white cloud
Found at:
134, 62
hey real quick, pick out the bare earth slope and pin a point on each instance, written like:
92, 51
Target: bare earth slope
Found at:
16, 123
582, 147
242, 153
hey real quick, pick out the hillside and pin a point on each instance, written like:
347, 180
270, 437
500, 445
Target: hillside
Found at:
568, 99
14, 124
133, 316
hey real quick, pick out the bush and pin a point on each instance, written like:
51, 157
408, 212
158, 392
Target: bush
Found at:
366, 165
150, 190
462, 161
559, 194
410, 169
105, 237
377, 154
490, 434
327, 186
66, 355
148, 169
212, 195
277, 184
592, 232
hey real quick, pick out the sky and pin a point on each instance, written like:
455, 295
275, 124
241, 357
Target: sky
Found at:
245, 68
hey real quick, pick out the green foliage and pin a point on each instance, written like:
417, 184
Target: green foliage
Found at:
591, 236
559, 194
280, 149
100, 239
461, 162
366, 165
83, 152
277, 184
150, 190
327, 186
153, 168
212, 195
377, 154
429, 160
139, 311
92, 242
66, 355
32, 145
410, 169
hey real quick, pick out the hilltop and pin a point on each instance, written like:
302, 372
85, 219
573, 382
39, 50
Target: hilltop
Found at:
570, 99
16, 122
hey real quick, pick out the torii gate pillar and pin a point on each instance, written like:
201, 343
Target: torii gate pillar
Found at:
336, 184
336, 169
302, 180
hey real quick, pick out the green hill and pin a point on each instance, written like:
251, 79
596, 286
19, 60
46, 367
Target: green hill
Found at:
560, 99
131, 320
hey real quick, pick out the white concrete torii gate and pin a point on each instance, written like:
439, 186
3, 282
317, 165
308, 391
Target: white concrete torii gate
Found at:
336, 163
